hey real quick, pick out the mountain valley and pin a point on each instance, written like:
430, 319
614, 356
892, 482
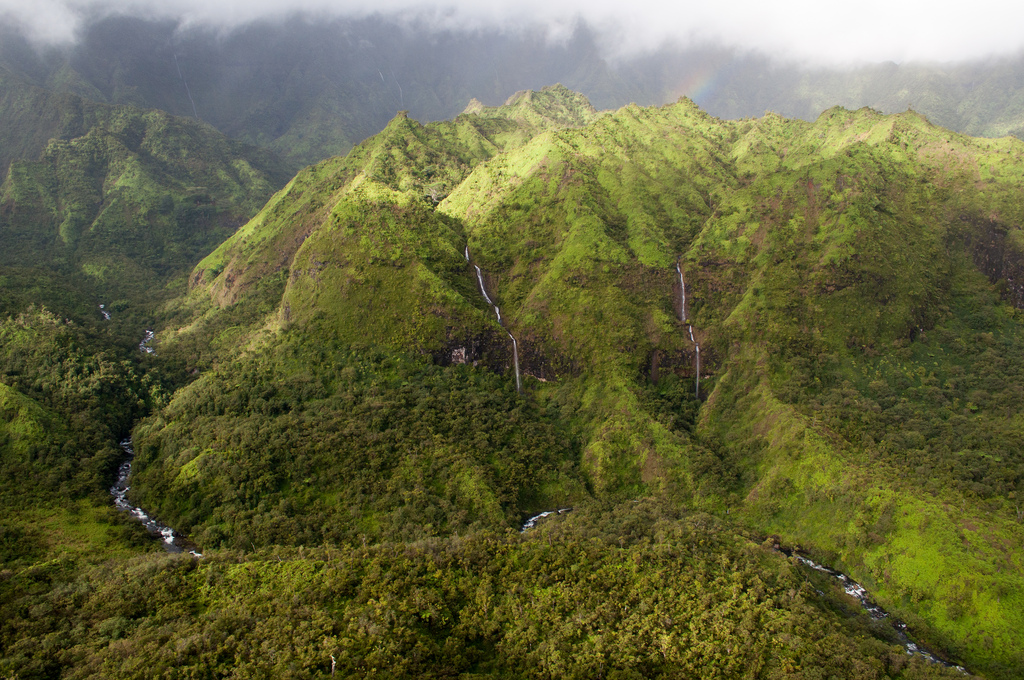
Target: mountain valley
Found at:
726, 344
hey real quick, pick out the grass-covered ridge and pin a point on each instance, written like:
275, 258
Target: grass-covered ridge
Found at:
332, 377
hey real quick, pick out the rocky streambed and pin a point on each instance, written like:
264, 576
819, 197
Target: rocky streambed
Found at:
172, 541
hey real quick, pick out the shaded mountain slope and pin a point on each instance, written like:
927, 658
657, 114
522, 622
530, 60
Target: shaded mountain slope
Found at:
310, 88
32, 116
306, 88
124, 199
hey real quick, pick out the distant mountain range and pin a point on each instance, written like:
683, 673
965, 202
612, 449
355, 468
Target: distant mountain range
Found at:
311, 89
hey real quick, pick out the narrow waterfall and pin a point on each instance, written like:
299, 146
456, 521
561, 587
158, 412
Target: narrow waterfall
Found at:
497, 313
697, 388
480, 280
187, 90
691, 336
515, 358
467, 252
682, 286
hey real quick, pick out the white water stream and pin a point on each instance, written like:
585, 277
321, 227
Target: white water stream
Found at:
532, 522
682, 286
144, 345
857, 591
480, 280
187, 90
104, 312
515, 357
119, 491
697, 387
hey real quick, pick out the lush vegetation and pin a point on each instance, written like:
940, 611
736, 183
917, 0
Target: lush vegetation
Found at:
333, 419
302, 443
625, 592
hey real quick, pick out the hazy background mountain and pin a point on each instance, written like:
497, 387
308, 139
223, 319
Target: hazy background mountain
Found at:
309, 88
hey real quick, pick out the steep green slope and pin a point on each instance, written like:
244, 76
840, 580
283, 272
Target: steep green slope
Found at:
370, 217
32, 116
855, 360
852, 285
352, 257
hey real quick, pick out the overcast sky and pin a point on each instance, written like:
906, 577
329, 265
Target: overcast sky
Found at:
822, 32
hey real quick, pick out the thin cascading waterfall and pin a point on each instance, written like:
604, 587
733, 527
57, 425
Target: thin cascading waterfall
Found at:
515, 360
497, 313
682, 286
467, 252
187, 90
691, 336
480, 280
401, 96
696, 389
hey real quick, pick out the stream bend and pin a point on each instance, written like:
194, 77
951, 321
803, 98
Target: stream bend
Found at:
171, 540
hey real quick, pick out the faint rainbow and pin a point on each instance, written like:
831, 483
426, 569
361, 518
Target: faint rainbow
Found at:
700, 84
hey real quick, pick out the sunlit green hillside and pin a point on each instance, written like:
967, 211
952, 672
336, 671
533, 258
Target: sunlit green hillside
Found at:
850, 282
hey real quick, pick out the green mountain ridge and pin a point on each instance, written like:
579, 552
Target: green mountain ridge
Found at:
313, 87
334, 377
792, 237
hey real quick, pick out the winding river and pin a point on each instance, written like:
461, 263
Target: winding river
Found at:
857, 591
532, 522
144, 345
171, 540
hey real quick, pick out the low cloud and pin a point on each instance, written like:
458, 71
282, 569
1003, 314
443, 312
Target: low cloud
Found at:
824, 33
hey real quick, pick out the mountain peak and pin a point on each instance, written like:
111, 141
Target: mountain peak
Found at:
474, 106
